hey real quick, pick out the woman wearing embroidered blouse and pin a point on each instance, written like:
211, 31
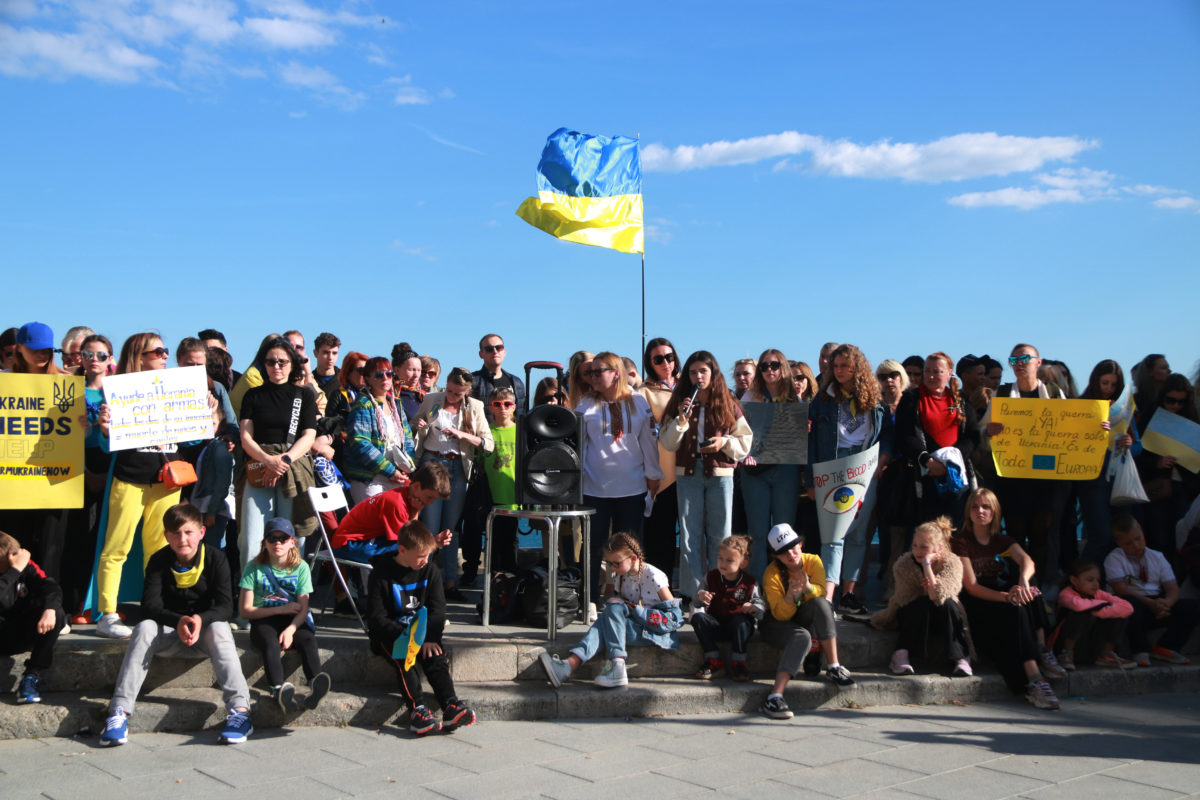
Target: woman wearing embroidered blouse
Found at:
450, 427
847, 417
661, 365
769, 490
378, 432
279, 426
932, 417
620, 455
708, 437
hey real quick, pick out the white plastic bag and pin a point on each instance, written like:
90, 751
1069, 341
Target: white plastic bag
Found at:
1127, 486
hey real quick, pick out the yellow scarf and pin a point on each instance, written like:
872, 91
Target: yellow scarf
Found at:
186, 578
853, 404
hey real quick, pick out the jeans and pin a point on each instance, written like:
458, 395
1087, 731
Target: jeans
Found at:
736, 629
150, 638
259, 504
852, 547
613, 630
705, 503
443, 515
770, 499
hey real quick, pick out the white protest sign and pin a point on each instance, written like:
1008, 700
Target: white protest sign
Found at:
840, 487
158, 407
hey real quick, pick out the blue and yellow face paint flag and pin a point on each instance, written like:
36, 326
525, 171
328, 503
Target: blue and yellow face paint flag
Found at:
589, 191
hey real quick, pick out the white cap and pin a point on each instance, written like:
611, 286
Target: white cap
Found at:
782, 537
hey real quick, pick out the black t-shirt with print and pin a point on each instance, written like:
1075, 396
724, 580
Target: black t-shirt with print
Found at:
269, 409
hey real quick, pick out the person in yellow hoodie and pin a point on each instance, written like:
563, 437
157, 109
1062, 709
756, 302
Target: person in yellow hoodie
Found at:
794, 586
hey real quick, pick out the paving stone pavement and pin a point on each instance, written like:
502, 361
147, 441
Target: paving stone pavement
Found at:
1121, 747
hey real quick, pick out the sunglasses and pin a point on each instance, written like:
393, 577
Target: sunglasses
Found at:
382, 373
884, 376
276, 539
550, 399
615, 564
665, 358
769, 366
95, 355
277, 362
9, 352
1170, 400
1021, 360
160, 352
503, 404
430, 373
493, 348
596, 372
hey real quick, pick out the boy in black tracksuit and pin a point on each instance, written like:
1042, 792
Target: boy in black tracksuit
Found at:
31, 615
401, 584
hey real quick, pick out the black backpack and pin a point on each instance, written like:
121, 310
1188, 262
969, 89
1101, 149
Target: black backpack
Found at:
506, 599
535, 596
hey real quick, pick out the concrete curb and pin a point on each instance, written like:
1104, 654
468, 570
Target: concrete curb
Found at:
196, 709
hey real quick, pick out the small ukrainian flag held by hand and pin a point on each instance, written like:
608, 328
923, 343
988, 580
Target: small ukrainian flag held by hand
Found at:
589, 191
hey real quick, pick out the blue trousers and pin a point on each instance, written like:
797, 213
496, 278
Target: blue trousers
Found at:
441, 514
770, 499
613, 630
705, 510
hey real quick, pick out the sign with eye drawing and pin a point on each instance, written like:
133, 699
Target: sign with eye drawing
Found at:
841, 486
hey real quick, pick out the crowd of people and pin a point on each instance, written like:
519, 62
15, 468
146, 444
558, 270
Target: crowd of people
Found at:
688, 525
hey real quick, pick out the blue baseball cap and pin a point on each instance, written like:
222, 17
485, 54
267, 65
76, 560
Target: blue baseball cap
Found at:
280, 525
36, 336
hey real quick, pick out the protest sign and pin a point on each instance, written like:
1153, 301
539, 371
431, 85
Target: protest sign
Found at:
1049, 439
158, 407
840, 486
41, 441
1172, 435
780, 432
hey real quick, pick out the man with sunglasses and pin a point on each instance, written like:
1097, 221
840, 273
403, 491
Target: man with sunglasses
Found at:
490, 377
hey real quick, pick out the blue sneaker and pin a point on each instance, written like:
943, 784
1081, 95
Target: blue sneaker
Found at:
28, 692
116, 728
237, 727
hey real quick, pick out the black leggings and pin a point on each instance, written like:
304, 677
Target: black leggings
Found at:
264, 635
436, 669
928, 630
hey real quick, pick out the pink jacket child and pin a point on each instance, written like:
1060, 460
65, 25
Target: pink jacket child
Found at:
1091, 621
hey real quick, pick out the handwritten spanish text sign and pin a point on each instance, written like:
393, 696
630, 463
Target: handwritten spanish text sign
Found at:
158, 407
41, 442
1049, 439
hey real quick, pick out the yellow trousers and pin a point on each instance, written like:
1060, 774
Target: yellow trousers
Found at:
128, 503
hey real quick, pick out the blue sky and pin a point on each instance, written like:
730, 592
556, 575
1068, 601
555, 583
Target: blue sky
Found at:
907, 177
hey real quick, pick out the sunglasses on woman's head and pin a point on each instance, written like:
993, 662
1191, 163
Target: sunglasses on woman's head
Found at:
1022, 359
765, 366
664, 358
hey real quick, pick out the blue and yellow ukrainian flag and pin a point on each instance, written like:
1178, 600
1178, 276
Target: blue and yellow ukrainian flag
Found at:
589, 191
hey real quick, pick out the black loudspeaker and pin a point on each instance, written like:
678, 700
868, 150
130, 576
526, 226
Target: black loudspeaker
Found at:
550, 457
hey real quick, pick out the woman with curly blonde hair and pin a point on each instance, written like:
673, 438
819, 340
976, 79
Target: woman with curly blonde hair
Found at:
847, 417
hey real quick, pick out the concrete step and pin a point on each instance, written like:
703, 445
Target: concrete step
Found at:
192, 709
85, 662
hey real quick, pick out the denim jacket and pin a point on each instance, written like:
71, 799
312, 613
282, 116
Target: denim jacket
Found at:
822, 432
659, 622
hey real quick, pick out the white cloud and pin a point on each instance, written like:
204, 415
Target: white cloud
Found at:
297, 114
323, 83
289, 34
1147, 189
407, 94
952, 158
1083, 179
1177, 203
416, 252
1024, 199
376, 56
31, 53
443, 141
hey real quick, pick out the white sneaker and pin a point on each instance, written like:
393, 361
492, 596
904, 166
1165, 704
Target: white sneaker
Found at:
613, 675
110, 625
557, 670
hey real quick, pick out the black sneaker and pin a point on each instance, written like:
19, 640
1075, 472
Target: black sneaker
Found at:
318, 687
850, 604
468, 579
457, 715
839, 675
775, 708
455, 594
422, 721
285, 697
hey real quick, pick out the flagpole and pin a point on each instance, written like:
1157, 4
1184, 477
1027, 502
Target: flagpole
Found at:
642, 349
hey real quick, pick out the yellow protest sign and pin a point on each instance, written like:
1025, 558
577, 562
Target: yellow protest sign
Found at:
41, 441
1049, 439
